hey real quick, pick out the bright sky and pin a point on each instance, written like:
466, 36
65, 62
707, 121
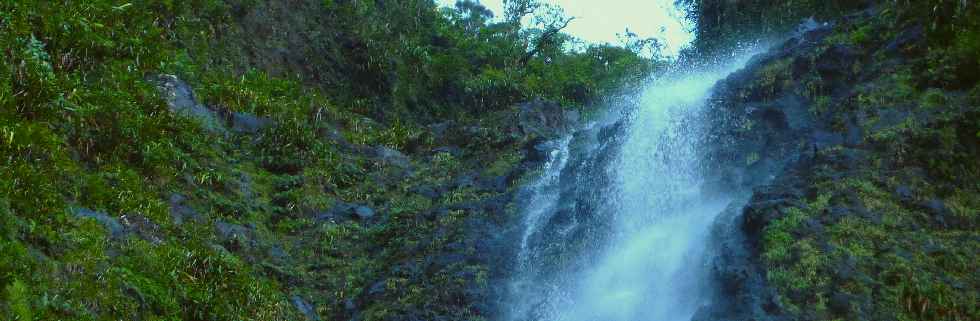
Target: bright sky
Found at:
598, 21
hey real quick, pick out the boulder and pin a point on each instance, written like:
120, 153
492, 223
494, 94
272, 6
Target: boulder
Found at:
116, 230
906, 40
363, 212
142, 227
343, 211
392, 157
451, 150
305, 308
180, 212
180, 98
836, 61
428, 191
542, 118
244, 123
235, 237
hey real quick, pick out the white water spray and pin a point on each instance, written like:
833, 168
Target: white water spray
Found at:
653, 265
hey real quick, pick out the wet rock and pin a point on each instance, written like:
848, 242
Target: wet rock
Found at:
235, 237
497, 184
541, 118
845, 269
840, 303
343, 211
936, 207
496, 204
143, 227
439, 131
451, 150
836, 61
818, 33
766, 207
180, 212
572, 117
941, 216
447, 259
363, 212
180, 98
465, 181
340, 212
538, 150
305, 308
227, 230
244, 123
392, 157
377, 288
824, 139
277, 253
905, 40
334, 136
812, 227
428, 191
116, 230
904, 193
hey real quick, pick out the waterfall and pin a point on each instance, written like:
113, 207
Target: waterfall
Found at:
616, 226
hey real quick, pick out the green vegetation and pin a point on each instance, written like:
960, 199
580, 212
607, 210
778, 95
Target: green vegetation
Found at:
83, 126
114, 207
726, 24
888, 226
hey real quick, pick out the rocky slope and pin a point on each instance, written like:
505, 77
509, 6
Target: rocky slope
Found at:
271, 160
336, 160
861, 152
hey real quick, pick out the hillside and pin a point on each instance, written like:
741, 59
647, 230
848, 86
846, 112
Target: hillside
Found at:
860, 139
368, 160
253, 160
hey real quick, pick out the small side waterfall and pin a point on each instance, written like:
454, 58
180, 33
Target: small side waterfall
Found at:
617, 225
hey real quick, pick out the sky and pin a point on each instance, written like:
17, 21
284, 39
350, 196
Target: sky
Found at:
598, 21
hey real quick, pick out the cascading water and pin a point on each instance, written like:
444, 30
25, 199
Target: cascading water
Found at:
650, 200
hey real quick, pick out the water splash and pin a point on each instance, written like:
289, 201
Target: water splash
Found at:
652, 265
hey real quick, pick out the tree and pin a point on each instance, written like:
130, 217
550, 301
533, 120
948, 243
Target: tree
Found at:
472, 15
641, 46
544, 32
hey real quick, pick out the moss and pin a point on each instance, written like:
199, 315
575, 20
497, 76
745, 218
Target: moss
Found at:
933, 99
774, 76
503, 164
821, 105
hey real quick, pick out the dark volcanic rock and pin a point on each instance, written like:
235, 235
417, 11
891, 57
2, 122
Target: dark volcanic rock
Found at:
836, 61
143, 227
304, 307
244, 123
906, 40
343, 211
116, 230
363, 212
181, 212
180, 98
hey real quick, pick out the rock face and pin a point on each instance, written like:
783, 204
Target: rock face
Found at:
817, 133
123, 227
304, 307
180, 98
544, 118
244, 123
111, 224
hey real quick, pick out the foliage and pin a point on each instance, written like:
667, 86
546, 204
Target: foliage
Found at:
82, 126
725, 24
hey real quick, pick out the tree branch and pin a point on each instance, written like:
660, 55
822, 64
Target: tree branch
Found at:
545, 38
